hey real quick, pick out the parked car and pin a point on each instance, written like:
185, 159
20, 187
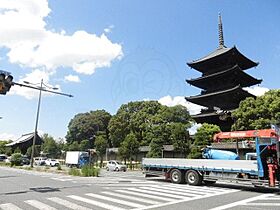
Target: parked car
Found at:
114, 165
3, 158
25, 160
40, 161
51, 162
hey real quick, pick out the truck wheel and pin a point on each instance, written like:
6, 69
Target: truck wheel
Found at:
176, 176
117, 169
193, 177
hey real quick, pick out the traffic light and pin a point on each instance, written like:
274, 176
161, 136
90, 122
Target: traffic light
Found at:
5, 83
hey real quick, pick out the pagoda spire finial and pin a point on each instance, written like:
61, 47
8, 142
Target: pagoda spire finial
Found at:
221, 35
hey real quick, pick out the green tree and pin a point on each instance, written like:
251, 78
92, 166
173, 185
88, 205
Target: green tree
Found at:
86, 125
129, 147
202, 138
3, 148
84, 145
101, 146
37, 150
75, 146
180, 138
50, 146
258, 113
16, 159
142, 119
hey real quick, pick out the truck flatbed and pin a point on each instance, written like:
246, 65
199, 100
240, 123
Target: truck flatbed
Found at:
233, 166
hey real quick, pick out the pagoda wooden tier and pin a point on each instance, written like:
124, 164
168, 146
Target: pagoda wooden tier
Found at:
212, 117
223, 99
226, 79
222, 80
221, 59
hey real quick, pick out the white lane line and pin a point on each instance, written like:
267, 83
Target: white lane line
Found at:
67, 204
261, 204
156, 193
39, 205
127, 203
187, 193
9, 206
146, 195
94, 202
197, 188
131, 197
242, 202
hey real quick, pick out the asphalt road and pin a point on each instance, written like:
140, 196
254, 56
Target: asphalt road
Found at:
29, 190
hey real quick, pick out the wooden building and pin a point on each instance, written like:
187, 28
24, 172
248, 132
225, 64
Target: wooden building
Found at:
222, 81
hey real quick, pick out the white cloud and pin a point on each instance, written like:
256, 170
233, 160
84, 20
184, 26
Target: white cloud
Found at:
72, 78
180, 100
109, 29
7, 136
33, 78
194, 128
30, 44
257, 91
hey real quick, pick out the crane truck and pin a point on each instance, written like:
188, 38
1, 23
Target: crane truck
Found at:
264, 171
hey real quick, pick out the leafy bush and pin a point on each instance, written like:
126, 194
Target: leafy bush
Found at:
75, 172
59, 168
16, 159
89, 171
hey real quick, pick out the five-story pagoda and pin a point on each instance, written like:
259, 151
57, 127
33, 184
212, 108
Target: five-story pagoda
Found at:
222, 82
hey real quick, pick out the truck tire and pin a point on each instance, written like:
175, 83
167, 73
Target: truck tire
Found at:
193, 177
176, 176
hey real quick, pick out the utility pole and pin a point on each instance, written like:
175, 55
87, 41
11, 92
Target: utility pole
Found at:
40, 88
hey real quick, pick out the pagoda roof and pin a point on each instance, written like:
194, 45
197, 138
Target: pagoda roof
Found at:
214, 118
221, 59
225, 99
233, 77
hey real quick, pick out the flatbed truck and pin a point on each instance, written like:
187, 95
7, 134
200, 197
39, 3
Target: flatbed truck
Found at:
265, 171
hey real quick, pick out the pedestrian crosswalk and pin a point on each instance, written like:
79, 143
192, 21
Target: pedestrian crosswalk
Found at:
143, 197
263, 200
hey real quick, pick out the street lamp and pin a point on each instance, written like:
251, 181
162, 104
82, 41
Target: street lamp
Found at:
41, 88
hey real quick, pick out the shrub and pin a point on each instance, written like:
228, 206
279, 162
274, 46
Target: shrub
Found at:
59, 168
74, 172
90, 171
16, 159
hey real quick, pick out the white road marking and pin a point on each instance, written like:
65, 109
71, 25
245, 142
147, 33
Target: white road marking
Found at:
158, 206
94, 202
174, 191
242, 202
261, 204
131, 197
156, 193
197, 188
39, 205
67, 204
127, 203
145, 195
9, 206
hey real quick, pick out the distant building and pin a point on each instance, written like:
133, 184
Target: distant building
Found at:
222, 82
24, 142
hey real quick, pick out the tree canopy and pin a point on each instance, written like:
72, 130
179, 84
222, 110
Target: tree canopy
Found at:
152, 124
202, 138
258, 113
85, 126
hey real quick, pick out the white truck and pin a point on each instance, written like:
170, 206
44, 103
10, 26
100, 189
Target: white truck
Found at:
76, 158
264, 171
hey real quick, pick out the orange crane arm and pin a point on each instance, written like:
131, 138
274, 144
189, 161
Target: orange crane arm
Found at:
265, 133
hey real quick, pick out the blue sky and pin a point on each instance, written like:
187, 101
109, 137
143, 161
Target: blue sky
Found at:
107, 53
